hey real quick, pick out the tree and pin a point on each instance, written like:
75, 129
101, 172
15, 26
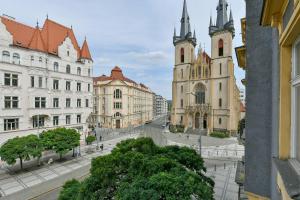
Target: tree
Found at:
70, 190
22, 148
61, 140
90, 139
138, 169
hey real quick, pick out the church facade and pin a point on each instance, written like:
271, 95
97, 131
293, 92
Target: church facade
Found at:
204, 91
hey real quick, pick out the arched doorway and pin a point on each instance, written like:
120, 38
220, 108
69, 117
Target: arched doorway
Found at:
205, 121
118, 124
197, 120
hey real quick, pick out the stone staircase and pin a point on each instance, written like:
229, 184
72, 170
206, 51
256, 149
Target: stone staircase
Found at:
195, 131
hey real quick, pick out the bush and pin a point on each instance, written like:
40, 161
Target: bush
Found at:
90, 139
219, 134
176, 129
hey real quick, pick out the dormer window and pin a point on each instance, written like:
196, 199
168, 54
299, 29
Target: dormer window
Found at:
16, 58
68, 53
221, 47
5, 56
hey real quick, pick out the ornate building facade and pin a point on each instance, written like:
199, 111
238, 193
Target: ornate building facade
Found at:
45, 78
204, 91
120, 102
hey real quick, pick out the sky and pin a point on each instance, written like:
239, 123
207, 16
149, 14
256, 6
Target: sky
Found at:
136, 35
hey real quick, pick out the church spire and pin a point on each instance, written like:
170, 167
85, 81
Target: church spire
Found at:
230, 16
185, 22
222, 18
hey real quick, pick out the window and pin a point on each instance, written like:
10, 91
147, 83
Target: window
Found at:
199, 71
40, 82
78, 87
220, 86
68, 119
11, 102
32, 81
41, 60
55, 66
55, 102
181, 89
200, 94
68, 102
87, 103
38, 121
11, 79
68, 85
117, 94
16, 58
32, 58
55, 120
181, 73
117, 105
5, 56
11, 124
68, 53
89, 72
181, 119
221, 47
181, 103
220, 102
78, 119
40, 102
182, 55
220, 68
78, 71
206, 73
68, 69
89, 87
55, 84
295, 84
220, 121
78, 103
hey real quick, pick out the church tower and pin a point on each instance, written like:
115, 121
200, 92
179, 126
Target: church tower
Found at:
184, 58
223, 81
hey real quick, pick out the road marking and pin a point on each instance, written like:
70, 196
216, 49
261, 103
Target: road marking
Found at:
226, 184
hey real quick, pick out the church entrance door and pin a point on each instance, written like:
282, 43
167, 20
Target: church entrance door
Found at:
197, 120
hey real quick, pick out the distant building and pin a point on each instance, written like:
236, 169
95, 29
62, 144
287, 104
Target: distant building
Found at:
204, 91
242, 95
120, 102
45, 78
160, 105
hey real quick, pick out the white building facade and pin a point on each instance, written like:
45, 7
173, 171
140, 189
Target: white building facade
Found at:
45, 79
160, 105
121, 102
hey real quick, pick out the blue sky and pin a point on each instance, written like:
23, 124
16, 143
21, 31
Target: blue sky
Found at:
133, 34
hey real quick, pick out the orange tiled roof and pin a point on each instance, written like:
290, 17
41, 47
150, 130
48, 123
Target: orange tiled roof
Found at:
242, 107
47, 39
116, 74
85, 52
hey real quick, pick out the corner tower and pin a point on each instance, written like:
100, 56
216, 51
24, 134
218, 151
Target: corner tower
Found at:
184, 44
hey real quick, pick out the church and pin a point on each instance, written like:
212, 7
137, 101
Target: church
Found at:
204, 91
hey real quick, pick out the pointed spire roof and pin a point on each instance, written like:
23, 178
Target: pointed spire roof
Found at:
222, 18
210, 21
185, 22
230, 16
37, 42
85, 51
174, 32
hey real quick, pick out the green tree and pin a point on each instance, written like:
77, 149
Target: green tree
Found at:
70, 190
90, 139
138, 169
61, 140
22, 148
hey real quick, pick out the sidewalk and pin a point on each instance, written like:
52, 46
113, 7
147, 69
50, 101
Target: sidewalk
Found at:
13, 184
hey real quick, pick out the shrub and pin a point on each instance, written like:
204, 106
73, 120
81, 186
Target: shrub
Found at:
90, 139
219, 134
176, 129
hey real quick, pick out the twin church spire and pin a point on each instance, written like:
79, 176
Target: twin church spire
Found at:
185, 30
222, 22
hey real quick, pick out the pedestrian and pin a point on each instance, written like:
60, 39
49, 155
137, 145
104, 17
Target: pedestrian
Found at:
100, 138
101, 147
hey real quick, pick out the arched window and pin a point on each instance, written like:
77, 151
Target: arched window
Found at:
200, 94
199, 71
55, 66
5, 56
220, 102
117, 114
221, 47
117, 94
193, 73
16, 58
68, 69
206, 73
182, 55
78, 71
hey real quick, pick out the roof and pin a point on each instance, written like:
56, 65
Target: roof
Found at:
242, 107
117, 74
206, 57
47, 39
